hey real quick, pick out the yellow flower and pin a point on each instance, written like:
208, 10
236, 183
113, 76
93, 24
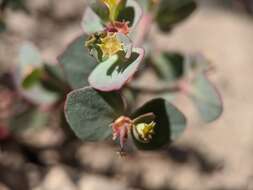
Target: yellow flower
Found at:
145, 131
110, 45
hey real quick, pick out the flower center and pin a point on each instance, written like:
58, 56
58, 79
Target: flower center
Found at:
145, 131
110, 45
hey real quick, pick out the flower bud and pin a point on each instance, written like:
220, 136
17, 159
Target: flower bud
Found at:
144, 131
121, 128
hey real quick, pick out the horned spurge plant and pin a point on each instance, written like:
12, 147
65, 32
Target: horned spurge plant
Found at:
103, 76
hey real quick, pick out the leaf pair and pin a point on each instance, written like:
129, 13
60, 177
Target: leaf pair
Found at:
172, 12
84, 106
28, 74
173, 67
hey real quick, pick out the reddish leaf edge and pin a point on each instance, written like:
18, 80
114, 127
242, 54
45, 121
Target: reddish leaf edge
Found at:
141, 52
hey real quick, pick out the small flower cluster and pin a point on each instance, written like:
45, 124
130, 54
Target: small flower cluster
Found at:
123, 126
107, 41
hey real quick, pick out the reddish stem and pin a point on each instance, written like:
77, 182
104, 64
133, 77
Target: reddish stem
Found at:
143, 29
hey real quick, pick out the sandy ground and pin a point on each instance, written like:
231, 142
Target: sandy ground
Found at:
216, 156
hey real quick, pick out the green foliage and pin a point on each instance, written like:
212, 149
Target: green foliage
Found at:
92, 22
31, 79
169, 66
206, 98
131, 12
29, 56
171, 12
170, 123
100, 65
83, 106
77, 63
30, 119
53, 79
97, 15
113, 73
55, 72
28, 74
90, 113
99, 9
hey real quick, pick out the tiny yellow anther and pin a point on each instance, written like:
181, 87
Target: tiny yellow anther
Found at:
145, 131
110, 45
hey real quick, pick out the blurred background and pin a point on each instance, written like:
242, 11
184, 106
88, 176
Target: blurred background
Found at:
216, 156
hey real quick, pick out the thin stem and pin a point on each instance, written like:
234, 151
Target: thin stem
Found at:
154, 90
143, 29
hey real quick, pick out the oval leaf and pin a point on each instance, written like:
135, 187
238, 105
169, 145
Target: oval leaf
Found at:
100, 9
170, 123
91, 22
169, 66
196, 64
171, 12
113, 73
29, 61
77, 63
206, 98
30, 119
89, 113
131, 13
54, 71
29, 56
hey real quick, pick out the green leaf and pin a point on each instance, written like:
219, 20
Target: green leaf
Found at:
30, 119
113, 73
170, 123
29, 56
120, 6
131, 13
77, 63
54, 79
195, 64
29, 61
171, 12
55, 71
169, 66
206, 98
40, 96
32, 78
89, 113
100, 9
91, 22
